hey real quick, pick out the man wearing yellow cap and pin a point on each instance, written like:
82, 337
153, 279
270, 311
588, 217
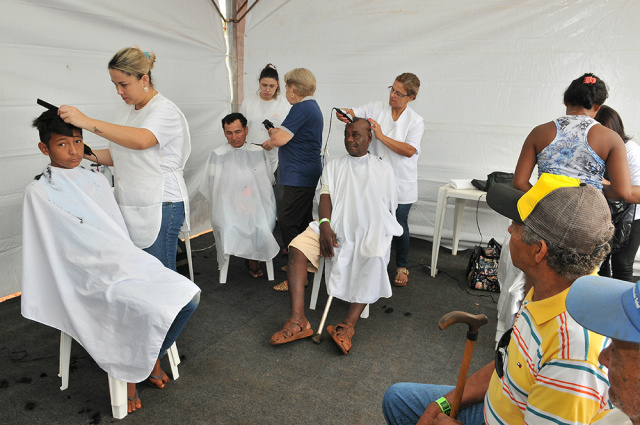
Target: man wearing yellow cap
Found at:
546, 368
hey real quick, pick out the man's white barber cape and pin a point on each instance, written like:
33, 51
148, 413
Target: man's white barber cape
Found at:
83, 275
364, 198
238, 184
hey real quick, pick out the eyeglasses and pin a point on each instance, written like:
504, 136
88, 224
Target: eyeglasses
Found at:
501, 350
397, 93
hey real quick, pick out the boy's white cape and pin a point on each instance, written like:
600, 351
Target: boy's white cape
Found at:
84, 276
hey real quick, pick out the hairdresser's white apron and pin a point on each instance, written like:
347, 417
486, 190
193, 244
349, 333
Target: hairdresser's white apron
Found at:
139, 181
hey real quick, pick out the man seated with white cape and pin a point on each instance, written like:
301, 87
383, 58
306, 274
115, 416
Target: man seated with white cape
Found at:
81, 273
357, 222
237, 181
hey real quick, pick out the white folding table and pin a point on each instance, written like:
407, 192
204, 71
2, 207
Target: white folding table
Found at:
461, 196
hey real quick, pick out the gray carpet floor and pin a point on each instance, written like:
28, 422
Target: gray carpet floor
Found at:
231, 375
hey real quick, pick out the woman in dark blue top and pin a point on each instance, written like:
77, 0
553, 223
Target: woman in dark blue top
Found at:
300, 141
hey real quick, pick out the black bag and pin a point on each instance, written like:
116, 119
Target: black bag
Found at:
482, 270
499, 177
492, 179
622, 216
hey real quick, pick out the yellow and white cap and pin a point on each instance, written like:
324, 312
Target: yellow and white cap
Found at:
560, 209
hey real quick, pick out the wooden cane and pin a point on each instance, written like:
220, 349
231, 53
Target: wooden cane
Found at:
474, 322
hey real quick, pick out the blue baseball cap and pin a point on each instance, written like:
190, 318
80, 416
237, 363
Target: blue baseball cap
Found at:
606, 306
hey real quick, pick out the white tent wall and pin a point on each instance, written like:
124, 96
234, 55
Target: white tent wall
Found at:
58, 50
490, 72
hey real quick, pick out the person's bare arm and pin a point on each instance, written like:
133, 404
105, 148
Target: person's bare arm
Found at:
619, 184
474, 392
277, 138
401, 148
128, 137
328, 238
541, 135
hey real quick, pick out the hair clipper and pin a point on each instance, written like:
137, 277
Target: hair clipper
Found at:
268, 124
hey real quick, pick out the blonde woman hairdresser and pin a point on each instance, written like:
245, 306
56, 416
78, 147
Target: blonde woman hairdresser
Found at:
398, 133
149, 147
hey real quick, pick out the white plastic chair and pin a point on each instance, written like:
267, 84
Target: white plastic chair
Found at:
314, 296
225, 269
117, 387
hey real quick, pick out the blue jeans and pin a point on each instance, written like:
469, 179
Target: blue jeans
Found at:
165, 247
405, 402
402, 242
178, 324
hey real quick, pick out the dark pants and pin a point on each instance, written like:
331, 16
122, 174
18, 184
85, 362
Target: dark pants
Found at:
622, 261
402, 242
296, 211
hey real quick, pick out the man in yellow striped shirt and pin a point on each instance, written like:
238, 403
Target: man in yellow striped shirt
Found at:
546, 369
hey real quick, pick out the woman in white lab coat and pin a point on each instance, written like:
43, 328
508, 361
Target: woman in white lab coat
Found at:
398, 133
266, 104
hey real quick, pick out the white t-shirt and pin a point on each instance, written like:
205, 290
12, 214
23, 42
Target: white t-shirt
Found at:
165, 122
409, 129
633, 158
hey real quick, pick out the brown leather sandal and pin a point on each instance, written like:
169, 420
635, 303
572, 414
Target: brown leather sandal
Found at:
342, 335
291, 331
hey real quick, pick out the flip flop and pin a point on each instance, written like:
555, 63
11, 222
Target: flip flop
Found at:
158, 378
291, 331
134, 399
254, 273
400, 271
342, 335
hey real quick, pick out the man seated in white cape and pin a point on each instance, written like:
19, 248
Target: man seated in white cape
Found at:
237, 181
81, 273
358, 199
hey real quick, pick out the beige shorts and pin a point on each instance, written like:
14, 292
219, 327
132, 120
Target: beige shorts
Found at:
308, 242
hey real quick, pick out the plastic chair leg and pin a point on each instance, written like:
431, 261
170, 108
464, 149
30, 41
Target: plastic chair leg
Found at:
270, 270
65, 358
365, 312
174, 360
118, 393
317, 278
187, 243
223, 271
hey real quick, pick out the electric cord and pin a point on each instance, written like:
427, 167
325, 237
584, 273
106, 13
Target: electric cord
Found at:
477, 214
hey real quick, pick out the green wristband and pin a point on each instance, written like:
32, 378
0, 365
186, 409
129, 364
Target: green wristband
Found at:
323, 220
444, 405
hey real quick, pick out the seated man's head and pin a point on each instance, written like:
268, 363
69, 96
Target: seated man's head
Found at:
357, 137
235, 129
60, 141
611, 308
560, 221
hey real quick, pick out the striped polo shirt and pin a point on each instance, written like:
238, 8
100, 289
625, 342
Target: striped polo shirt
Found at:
551, 373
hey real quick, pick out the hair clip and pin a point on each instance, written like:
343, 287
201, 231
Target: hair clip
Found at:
146, 54
272, 66
589, 80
